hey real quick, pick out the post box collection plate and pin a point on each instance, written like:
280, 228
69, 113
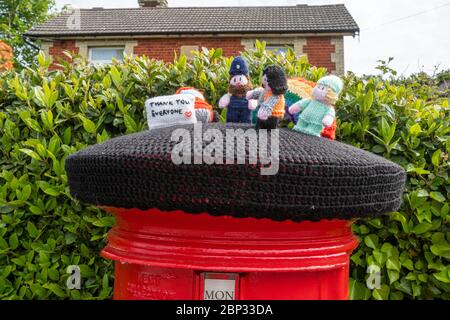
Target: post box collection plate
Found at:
219, 286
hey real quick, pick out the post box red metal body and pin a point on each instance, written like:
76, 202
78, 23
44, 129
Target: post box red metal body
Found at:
171, 255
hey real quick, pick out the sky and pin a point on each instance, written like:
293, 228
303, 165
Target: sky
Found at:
414, 32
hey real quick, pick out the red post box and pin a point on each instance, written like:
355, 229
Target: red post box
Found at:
174, 255
224, 231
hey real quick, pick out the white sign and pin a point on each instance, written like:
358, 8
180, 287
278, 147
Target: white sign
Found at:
166, 111
219, 286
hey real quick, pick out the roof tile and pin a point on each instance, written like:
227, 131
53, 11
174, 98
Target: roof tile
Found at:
175, 20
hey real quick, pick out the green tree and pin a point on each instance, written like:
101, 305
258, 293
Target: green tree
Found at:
16, 18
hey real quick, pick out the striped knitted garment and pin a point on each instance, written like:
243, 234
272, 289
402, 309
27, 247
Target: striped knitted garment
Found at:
278, 108
299, 89
274, 104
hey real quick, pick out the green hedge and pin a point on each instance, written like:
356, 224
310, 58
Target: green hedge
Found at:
406, 122
47, 115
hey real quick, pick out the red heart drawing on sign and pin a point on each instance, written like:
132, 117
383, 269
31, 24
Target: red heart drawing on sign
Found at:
188, 114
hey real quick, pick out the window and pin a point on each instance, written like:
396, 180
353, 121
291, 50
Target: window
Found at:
188, 51
105, 55
279, 48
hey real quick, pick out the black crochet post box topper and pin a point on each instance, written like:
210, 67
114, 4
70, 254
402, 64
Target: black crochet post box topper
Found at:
317, 178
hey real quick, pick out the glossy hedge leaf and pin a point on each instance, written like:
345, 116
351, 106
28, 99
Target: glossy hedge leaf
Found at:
31, 153
422, 193
67, 135
435, 159
441, 250
104, 222
55, 289
13, 241
445, 210
393, 275
53, 274
26, 193
88, 125
371, 241
358, 291
130, 124
437, 196
415, 129
3, 243
32, 230
393, 264
382, 293
368, 101
443, 275
51, 191
422, 227
33, 124
35, 210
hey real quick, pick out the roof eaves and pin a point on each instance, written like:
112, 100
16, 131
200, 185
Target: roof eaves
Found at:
37, 35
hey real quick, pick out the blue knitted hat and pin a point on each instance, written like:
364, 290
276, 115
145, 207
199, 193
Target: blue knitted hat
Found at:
238, 67
333, 82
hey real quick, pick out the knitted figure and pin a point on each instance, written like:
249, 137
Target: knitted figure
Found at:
271, 104
239, 107
318, 113
203, 111
299, 89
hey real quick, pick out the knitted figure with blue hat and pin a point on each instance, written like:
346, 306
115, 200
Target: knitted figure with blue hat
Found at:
318, 113
239, 108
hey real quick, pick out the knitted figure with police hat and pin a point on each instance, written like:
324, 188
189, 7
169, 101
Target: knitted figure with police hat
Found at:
271, 104
318, 113
239, 107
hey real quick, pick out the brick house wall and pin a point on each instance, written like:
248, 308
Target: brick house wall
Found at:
319, 52
325, 51
165, 49
57, 48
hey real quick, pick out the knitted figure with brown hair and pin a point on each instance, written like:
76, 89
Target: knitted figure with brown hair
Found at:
318, 113
271, 104
239, 107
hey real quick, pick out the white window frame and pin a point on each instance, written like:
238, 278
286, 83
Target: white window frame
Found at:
103, 47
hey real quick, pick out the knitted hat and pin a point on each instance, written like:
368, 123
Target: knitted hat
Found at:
317, 178
332, 82
238, 67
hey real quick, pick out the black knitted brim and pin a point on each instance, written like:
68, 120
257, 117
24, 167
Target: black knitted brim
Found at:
317, 178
